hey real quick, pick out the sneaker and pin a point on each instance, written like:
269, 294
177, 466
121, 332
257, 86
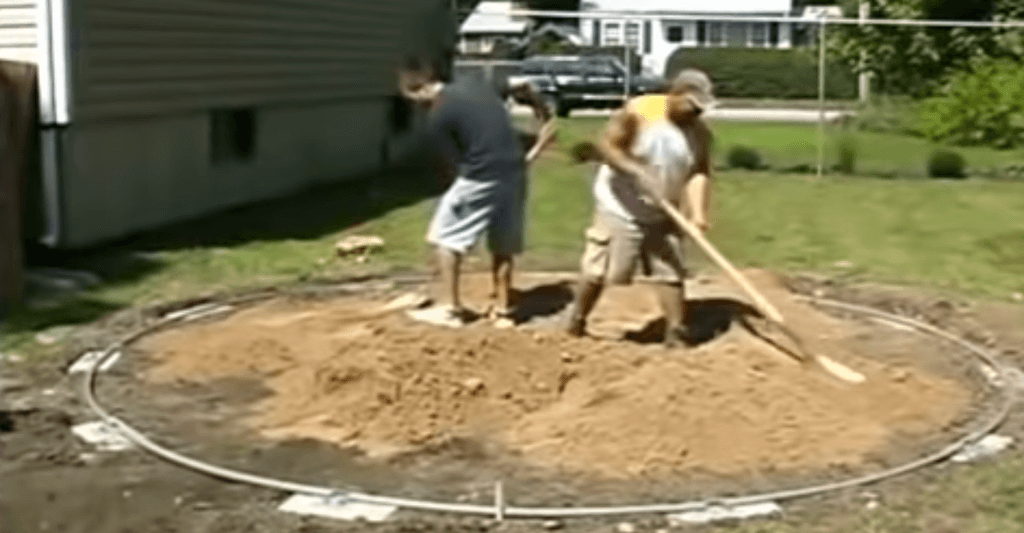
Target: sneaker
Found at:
442, 315
502, 318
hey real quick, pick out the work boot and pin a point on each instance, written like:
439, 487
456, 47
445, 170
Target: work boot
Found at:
576, 326
677, 337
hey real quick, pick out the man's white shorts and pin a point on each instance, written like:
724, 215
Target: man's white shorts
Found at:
471, 208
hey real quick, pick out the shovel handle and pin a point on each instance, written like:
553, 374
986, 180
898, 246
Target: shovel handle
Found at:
763, 304
547, 133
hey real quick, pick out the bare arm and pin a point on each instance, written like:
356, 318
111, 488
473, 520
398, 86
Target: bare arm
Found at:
698, 187
615, 145
523, 93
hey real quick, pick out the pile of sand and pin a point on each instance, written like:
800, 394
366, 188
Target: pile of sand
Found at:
344, 372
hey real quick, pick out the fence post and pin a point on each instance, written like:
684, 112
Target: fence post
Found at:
629, 65
821, 95
864, 80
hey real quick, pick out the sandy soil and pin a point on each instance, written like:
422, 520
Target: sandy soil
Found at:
348, 373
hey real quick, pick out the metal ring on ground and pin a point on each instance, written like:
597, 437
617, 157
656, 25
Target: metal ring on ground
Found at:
989, 425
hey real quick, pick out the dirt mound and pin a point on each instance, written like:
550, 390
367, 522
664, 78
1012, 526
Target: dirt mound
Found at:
346, 372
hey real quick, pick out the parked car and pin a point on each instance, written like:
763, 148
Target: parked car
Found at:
578, 82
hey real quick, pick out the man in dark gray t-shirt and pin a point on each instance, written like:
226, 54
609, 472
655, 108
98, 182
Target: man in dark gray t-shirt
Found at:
473, 133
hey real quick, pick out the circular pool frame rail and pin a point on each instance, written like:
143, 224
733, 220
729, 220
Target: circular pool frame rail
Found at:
999, 378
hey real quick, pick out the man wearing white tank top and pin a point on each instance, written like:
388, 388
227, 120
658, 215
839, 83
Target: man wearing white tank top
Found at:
655, 147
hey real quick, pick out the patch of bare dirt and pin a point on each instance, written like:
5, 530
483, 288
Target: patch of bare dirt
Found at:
349, 373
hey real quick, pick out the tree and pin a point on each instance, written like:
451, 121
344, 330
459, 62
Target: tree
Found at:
914, 60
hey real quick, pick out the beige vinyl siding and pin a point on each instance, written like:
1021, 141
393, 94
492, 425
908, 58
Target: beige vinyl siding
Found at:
19, 36
153, 57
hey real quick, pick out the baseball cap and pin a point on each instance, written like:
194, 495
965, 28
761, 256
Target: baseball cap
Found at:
698, 84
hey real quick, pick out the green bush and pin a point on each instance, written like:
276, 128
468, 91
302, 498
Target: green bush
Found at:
847, 155
946, 164
764, 73
980, 106
744, 157
890, 114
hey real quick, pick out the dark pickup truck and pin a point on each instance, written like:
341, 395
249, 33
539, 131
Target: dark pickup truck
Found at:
583, 82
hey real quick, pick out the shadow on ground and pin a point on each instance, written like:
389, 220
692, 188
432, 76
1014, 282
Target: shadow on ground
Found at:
308, 214
543, 301
706, 320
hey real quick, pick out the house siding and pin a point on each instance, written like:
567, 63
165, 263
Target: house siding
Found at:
19, 33
155, 57
149, 78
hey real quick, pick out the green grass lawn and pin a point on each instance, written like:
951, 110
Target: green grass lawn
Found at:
785, 146
966, 235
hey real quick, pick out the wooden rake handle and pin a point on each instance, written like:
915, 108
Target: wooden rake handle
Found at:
763, 304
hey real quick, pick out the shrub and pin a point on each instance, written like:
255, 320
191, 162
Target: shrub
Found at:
802, 168
946, 164
980, 106
890, 114
847, 155
585, 151
744, 157
764, 73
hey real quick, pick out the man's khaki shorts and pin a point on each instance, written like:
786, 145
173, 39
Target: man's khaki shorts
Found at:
615, 248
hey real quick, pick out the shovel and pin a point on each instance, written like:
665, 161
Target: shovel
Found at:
768, 310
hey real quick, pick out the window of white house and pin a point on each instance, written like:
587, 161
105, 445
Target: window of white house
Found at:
716, 34
612, 34
674, 34
633, 35
736, 33
759, 34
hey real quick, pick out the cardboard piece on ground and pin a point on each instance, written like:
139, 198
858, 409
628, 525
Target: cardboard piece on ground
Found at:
88, 360
986, 447
103, 436
307, 505
718, 513
409, 300
182, 313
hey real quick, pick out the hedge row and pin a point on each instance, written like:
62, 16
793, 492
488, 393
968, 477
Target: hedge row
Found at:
764, 73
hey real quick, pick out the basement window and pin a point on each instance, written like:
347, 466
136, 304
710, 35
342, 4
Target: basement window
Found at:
232, 135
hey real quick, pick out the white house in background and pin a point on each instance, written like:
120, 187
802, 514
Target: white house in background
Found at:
658, 38
489, 24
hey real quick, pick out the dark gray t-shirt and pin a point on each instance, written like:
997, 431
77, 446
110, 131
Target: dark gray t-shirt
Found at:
472, 129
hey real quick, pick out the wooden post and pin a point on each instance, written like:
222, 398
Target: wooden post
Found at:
16, 83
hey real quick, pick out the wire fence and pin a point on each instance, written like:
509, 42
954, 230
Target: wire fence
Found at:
654, 45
